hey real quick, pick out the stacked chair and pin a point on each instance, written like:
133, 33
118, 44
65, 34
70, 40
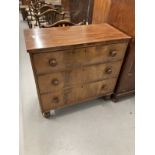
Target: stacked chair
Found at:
48, 17
62, 23
40, 13
43, 15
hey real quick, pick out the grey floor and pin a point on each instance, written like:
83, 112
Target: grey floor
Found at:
97, 127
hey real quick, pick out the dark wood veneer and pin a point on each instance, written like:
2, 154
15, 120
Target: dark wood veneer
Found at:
57, 37
122, 16
88, 69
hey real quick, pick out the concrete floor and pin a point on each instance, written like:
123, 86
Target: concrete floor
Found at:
97, 127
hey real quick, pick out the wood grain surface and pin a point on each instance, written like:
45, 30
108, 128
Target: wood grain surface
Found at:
60, 80
50, 38
77, 57
76, 94
101, 11
122, 15
75, 64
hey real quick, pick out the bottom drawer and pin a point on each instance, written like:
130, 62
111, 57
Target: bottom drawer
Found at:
77, 94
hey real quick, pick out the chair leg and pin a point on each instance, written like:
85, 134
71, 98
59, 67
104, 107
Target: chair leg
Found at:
29, 24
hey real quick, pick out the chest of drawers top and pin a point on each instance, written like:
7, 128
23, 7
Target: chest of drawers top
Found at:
58, 38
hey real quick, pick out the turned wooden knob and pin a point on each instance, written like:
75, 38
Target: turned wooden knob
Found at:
52, 62
55, 82
108, 70
56, 100
103, 87
113, 53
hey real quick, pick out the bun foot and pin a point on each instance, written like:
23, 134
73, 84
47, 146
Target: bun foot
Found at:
115, 100
46, 114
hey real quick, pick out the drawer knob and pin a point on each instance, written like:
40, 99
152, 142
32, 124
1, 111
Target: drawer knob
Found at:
52, 62
108, 70
55, 82
113, 53
56, 100
103, 87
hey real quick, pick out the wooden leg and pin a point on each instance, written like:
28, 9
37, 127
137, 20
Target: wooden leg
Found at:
46, 114
49, 114
119, 96
115, 99
30, 26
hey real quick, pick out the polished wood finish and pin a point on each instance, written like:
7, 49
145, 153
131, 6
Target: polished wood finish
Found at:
69, 69
105, 53
126, 82
58, 38
101, 11
77, 94
57, 80
52, 61
122, 16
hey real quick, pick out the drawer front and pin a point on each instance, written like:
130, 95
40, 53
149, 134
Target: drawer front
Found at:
52, 61
60, 60
105, 53
51, 101
77, 94
90, 90
60, 80
101, 71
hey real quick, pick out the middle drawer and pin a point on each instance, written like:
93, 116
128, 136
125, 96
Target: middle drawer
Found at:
59, 80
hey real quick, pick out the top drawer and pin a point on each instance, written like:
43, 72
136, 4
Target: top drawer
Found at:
60, 60
52, 61
105, 53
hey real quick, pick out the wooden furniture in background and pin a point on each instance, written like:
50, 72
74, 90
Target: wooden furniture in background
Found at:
25, 2
79, 10
32, 10
50, 17
69, 69
23, 9
65, 4
122, 16
100, 11
61, 23
39, 11
45, 8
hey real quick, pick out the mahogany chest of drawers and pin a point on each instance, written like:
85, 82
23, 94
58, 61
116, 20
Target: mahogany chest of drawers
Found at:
122, 16
75, 64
